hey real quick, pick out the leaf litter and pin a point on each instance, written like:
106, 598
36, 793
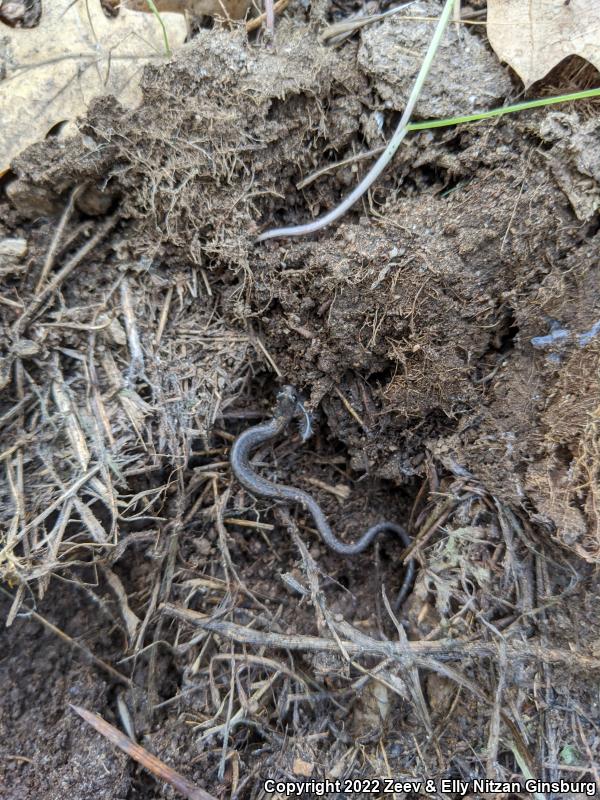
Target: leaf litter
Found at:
50, 73
533, 36
138, 340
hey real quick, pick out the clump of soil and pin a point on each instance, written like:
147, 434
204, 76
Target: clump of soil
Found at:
465, 75
378, 302
234, 127
446, 337
464, 372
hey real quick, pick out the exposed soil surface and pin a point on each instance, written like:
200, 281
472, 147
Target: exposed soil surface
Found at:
446, 338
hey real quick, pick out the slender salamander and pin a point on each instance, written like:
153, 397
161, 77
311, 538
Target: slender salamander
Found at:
287, 407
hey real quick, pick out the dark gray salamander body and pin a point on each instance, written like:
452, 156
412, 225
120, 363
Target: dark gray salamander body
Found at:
286, 408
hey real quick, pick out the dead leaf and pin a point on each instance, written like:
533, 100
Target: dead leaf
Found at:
52, 72
533, 36
232, 9
372, 708
303, 768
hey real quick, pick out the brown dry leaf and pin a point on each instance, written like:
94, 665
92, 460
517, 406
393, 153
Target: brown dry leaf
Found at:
52, 72
228, 9
533, 36
303, 768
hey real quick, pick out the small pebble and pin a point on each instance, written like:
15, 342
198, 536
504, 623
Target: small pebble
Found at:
13, 248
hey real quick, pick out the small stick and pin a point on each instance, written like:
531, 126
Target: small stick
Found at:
257, 341
153, 764
255, 23
164, 315
249, 523
270, 15
54, 244
446, 649
342, 493
136, 367
343, 163
346, 28
350, 409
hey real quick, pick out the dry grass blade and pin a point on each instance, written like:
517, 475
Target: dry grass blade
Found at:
153, 764
54, 244
132, 622
71, 491
336, 33
64, 273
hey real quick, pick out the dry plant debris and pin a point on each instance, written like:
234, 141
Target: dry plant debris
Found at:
157, 767
230, 9
49, 74
533, 36
138, 342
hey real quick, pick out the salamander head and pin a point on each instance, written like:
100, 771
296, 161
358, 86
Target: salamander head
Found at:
287, 400
289, 405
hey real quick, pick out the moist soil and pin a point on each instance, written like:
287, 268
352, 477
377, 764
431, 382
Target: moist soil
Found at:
445, 337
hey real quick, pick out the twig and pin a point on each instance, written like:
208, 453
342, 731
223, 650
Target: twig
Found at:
137, 365
270, 16
448, 649
492, 768
249, 523
341, 30
439, 515
153, 764
343, 163
49, 260
350, 409
255, 23
228, 721
164, 315
256, 340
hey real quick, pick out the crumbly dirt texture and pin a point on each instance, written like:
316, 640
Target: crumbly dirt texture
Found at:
446, 338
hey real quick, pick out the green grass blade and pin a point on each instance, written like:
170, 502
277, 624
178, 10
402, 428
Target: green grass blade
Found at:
499, 112
154, 10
